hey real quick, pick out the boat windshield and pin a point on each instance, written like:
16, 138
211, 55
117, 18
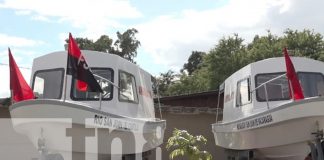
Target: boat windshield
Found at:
278, 89
48, 84
106, 86
312, 83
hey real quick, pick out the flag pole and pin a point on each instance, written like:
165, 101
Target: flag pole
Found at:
65, 79
64, 90
100, 95
291, 90
11, 97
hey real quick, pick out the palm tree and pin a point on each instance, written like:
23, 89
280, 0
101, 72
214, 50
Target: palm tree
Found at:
184, 143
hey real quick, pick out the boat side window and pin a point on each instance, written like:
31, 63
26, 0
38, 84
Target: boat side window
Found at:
276, 90
107, 87
312, 83
127, 87
243, 92
48, 84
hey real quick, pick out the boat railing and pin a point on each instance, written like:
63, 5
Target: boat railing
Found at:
100, 80
219, 111
105, 79
265, 88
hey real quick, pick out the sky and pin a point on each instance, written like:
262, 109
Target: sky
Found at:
169, 30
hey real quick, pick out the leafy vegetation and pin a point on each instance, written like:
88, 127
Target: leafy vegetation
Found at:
207, 71
125, 46
194, 62
183, 143
6, 102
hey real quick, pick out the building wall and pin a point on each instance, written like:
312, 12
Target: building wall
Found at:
204, 99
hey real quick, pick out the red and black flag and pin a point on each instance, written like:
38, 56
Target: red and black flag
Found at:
78, 68
19, 87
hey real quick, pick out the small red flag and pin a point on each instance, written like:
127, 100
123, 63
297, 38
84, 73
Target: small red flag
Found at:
18, 85
292, 78
78, 68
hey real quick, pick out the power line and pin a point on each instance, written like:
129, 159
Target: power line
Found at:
4, 64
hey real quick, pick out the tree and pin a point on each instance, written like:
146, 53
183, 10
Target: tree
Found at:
187, 84
185, 144
103, 44
194, 62
231, 54
263, 47
164, 81
207, 71
305, 43
125, 46
84, 43
223, 60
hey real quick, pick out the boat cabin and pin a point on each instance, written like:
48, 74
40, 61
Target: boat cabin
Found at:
263, 85
127, 88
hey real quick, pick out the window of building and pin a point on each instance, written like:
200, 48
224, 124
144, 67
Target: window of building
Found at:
127, 87
243, 92
106, 86
312, 83
48, 84
277, 89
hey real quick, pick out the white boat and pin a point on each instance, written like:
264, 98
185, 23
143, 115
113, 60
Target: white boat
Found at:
120, 121
259, 119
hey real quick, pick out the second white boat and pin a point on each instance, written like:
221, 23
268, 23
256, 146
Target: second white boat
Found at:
260, 120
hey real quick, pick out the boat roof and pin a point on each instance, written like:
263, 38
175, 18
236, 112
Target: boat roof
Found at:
94, 59
277, 64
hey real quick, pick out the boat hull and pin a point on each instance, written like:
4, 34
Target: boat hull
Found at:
70, 128
279, 133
